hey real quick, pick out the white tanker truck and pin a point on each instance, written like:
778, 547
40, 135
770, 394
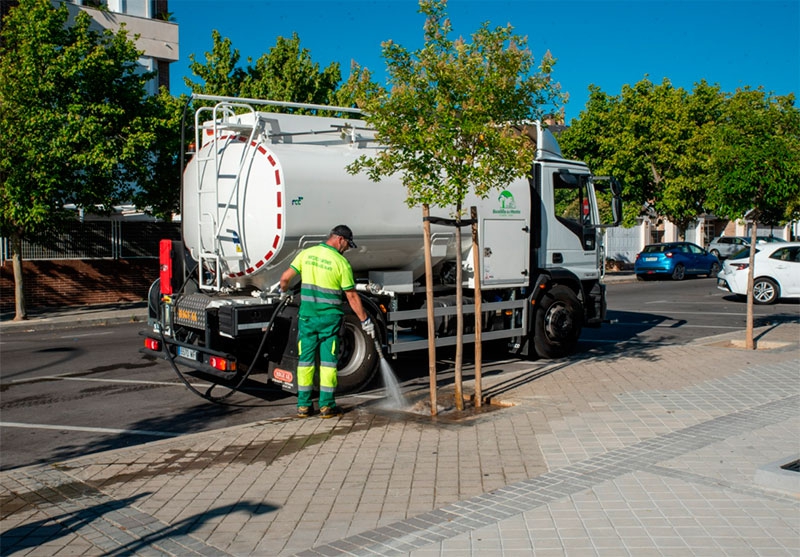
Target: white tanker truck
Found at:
261, 186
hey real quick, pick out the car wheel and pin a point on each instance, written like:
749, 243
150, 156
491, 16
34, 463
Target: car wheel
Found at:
765, 291
679, 272
715, 253
714, 269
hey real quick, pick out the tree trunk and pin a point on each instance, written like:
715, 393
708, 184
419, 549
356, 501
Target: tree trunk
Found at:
459, 395
749, 340
16, 263
476, 265
426, 227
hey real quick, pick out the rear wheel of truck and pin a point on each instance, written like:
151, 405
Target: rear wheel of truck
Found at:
558, 323
358, 358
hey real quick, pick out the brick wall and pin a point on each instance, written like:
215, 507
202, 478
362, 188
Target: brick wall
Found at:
78, 282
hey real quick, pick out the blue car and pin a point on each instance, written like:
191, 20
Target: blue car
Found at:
676, 260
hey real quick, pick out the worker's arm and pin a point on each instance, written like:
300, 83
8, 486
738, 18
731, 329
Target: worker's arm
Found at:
286, 278
355, 302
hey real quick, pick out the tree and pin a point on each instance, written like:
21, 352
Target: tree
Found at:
158, 180
655, 139
756, 166
73, 123
220, 74
287, 73
450, 124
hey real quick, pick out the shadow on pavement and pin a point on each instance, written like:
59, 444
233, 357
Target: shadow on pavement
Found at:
34, 534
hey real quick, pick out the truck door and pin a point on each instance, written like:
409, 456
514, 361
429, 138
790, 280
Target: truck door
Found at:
569, 238
505, 254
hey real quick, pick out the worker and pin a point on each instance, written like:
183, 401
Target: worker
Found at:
326, 279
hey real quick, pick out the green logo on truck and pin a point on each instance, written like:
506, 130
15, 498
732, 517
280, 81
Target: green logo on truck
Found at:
508, 206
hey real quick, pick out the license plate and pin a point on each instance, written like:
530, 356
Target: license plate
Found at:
188, 353
651, 258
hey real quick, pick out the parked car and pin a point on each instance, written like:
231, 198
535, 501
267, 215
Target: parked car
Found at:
726, 246
676, 260
776, 272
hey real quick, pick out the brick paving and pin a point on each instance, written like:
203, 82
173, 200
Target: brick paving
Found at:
650, 450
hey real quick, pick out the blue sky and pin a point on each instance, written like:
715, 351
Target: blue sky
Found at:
733, 43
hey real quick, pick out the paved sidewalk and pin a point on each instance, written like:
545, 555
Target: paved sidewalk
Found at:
654, 450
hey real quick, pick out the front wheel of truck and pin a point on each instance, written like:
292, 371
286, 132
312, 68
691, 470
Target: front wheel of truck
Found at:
558, 323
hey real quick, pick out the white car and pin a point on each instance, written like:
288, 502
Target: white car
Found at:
777, 272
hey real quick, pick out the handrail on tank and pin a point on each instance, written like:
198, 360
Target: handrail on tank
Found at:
286, 104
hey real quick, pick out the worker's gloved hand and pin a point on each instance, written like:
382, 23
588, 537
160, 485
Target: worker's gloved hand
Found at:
369, 327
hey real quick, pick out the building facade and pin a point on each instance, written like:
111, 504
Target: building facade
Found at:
148, 25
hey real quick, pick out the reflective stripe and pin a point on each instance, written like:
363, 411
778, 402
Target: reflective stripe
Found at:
315, 300
332, 291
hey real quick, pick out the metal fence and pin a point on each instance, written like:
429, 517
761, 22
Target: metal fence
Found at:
111, 239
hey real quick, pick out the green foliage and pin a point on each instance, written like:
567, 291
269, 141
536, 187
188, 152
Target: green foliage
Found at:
220, 74
74, 125
655, 139
756, 158
358, 87
451, 121
287, 73
159, 178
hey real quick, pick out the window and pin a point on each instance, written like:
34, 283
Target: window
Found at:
787, 254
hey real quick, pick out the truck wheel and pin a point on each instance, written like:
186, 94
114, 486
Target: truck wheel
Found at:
558, 323
358, 359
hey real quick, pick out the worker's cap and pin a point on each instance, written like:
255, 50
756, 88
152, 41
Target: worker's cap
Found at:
345, 232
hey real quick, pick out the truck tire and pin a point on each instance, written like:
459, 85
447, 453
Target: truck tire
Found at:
558, 323
358, 358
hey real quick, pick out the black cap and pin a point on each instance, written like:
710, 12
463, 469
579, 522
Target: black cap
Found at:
344, 231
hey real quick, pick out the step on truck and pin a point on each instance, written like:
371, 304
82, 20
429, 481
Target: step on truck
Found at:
264, 182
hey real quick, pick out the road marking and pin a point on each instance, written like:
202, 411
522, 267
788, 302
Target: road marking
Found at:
88, 335
726, 313
94, 380
131, 381
671, 324
91, 429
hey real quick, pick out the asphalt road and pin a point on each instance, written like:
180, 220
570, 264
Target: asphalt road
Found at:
71, 392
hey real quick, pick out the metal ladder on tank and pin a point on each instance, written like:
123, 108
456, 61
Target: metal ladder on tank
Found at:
210, 257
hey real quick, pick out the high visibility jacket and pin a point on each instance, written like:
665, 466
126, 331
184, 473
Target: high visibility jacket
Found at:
325, 274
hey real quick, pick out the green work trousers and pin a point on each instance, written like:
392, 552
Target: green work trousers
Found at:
317, 341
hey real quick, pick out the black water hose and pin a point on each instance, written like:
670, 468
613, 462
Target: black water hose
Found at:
207, 395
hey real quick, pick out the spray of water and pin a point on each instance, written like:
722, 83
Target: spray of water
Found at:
394, 396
